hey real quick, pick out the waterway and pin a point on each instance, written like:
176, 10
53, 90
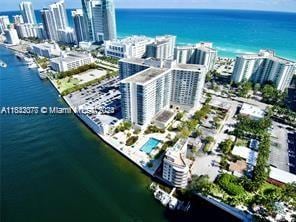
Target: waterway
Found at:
53, 168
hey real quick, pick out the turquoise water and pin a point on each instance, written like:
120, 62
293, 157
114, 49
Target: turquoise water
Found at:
231, 31
150, 145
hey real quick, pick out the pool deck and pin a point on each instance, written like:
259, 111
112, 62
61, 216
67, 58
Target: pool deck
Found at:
133, 154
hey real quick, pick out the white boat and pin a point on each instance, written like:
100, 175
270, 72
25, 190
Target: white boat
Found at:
3, 64
28, 60
32, 65
23, 58
42, 73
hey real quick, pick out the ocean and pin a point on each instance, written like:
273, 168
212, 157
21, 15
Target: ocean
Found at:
232, 31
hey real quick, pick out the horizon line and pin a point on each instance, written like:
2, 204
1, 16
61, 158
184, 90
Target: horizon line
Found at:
173, 8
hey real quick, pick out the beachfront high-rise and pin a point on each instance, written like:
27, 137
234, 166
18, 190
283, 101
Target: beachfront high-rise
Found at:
156, 86
55, 22
264, 67
145, 94
49, 24
11, 36
80, 25
162, 47
18, 19
175, 165
4, 23
100, 19
187, 85
130, 47
131, 66
28, 12
201, 53
59, 14
26, 30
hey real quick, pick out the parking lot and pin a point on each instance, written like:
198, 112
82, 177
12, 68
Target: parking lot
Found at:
282, 149
100, 102
292, 152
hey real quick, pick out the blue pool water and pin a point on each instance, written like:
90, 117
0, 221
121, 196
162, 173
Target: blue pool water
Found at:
150, 145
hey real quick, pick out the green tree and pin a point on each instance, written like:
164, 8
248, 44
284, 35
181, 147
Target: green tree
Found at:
226, 146
200, 184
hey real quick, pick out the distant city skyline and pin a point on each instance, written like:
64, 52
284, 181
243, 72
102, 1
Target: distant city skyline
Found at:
271, 5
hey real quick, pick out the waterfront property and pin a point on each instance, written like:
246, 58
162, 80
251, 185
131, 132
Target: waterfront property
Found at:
130, 47
162, 47
70, 61
175, 165
153, 90
264, 67
201, 53
11, 36
131, 66
46, 49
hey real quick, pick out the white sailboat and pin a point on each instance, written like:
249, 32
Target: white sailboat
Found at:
3, 64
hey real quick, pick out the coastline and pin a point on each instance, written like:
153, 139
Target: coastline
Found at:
107, 140
237, 213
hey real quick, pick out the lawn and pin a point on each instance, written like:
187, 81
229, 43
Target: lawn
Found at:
242, 142
67, 83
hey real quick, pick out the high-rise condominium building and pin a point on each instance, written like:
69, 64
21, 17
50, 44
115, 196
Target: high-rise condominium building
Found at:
131, 66
162, 47
18, 19
58, 11
145, 94
155, 88
202, 53
11, 36
4, 23
130, 47
49, 24
187, 85
55, 23
67, 35
175, 165
80, 25
28, 12
26, 30
100, 19
264, 67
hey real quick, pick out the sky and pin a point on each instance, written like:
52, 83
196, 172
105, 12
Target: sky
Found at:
268, 5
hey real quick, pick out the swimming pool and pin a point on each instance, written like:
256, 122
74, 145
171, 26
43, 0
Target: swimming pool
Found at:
150, 145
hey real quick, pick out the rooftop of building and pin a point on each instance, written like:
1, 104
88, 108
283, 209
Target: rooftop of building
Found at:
267, 54
70, 57
164, 116
145, 76
249, 155
132, 40
45, 45
281, 175
159, 40
149, 62
137, 61
175, 154
205, 46
190, 67
252, 111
